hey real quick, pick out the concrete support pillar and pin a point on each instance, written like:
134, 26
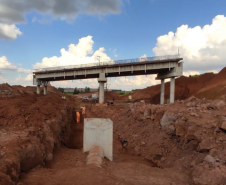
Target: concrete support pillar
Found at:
162, 94
172, 89
45, 90
38, 89
101, 92
102, 79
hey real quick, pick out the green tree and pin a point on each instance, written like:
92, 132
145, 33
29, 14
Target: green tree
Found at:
87, 89
61, 89
76, 91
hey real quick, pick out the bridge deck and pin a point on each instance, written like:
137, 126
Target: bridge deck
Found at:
132, 67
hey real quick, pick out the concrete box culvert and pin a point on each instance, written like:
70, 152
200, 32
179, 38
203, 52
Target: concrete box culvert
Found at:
98, 132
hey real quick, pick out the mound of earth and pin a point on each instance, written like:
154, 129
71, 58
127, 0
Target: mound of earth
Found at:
184, 88
109, 95
7, 91
188, 137
215, 88
31, 127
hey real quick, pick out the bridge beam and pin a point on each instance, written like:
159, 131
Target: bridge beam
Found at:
172, 89
102, 79
162, 94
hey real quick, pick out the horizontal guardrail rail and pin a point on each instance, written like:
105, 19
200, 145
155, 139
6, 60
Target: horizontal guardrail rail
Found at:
112, 62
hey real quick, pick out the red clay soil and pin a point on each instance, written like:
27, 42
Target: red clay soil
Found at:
184, 88
7, 91
69, 167
31, 126
187, 137
181, 143
109, 95
215, 88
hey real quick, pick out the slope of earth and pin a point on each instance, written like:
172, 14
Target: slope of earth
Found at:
187, 137
7, 91
184, 88
215, 88
31, 127
109, 95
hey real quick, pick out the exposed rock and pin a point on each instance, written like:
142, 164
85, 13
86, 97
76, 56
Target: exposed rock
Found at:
202, 175
206, 145
143, 143
210, 159
167, 119
220, 104
223, 126
192, 134
194, 114
49, 157
137, 150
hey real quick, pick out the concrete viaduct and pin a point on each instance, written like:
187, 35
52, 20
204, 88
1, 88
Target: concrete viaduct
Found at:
170, 66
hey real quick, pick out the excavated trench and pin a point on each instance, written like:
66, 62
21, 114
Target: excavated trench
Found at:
71, 150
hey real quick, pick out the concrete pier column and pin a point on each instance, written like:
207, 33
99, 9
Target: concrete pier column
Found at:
102, 79
101, 92
38, 89
45, 90
162, 94
172, 89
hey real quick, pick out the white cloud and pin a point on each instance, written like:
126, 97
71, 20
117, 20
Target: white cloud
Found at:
3, 80
12, 11
29, 78
192, 73
213, 71
22, 70
115, 54
9, 31
135, 82
143, 58
5, 64
128, 83
82, 53
202, 48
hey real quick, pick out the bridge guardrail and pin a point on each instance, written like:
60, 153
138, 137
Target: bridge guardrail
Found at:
144, 59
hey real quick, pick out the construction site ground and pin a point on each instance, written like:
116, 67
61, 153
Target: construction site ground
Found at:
180, 143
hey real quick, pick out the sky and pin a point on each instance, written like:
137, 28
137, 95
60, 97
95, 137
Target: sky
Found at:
39, 34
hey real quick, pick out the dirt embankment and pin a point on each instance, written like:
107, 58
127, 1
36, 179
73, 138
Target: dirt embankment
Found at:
215, 88
184, 88
31, 127
187, 137
9, 91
